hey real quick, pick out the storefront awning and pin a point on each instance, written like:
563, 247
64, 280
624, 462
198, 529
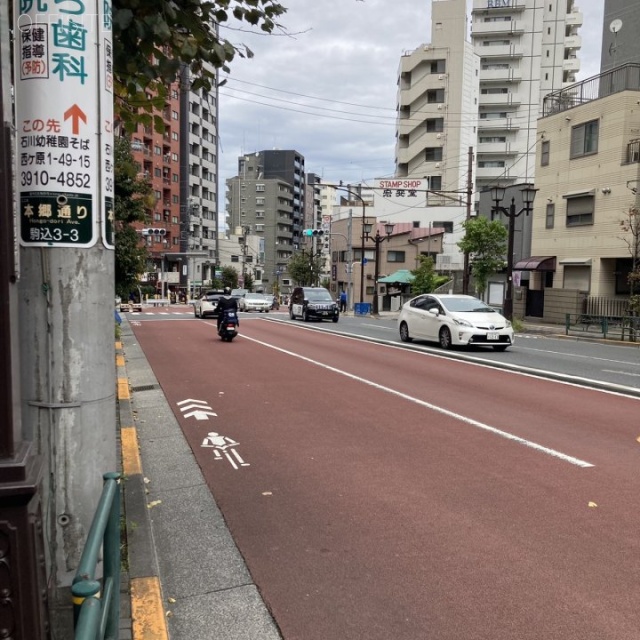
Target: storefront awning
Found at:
536, 263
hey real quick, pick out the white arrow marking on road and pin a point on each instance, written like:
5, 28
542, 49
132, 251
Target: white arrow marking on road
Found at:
200, 414
191, 400
194, 405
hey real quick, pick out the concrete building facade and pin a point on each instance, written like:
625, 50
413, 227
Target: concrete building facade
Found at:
620, 29
588, 176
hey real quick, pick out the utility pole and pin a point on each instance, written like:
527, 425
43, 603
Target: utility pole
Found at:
465, 270
64, 117
21, 470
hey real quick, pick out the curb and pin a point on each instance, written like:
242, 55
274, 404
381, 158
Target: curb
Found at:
147, 609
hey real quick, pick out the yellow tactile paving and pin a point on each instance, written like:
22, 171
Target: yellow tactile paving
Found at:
131, 463
147, 612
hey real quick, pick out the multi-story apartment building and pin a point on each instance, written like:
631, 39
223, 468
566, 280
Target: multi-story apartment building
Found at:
620, 33
527, 49
181, 164
199, 182
437, 102
588, 176
490, 100
263, 207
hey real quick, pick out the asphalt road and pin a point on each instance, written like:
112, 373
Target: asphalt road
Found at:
378, 492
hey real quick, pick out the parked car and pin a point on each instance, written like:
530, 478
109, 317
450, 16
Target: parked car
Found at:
313, 303
454, 320
204, 305
254, 302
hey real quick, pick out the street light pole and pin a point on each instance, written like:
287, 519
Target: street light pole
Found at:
377, 240
528, 196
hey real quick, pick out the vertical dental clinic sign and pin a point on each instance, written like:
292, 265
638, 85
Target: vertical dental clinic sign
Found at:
64, 122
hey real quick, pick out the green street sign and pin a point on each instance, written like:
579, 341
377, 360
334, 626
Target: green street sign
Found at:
56, 219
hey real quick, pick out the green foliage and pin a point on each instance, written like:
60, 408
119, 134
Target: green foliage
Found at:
229, 277
486, 243
132, 197
304, 267
248, 281
426, 279
631, 227
155, 41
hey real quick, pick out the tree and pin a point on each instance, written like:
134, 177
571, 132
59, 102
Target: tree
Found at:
155, 40
304, 266
131, 199
485, 241
426, 279
229, 277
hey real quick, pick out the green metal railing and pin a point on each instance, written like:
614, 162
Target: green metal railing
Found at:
619, 327
96, 605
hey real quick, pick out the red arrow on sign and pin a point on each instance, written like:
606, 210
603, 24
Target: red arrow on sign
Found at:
76, 114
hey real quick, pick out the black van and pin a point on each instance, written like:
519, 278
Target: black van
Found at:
313, 303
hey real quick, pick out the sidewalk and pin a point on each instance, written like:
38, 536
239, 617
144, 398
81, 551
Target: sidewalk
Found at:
187, 578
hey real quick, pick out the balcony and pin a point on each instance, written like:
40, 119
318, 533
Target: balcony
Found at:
501, 51
499, 99
500, 75
573, 42
575, 18
498, 124
497, 28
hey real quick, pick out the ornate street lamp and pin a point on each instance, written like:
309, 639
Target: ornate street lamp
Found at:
377, 240
528, 196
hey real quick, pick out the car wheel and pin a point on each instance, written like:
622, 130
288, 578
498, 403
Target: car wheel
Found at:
404, 333
445, 338
305, 316
291, 313
500, 347
335, 319
195, 312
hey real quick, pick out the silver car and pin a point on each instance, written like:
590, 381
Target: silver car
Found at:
454, 320
254, 302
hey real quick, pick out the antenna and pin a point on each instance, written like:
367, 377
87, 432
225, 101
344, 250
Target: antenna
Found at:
614, 27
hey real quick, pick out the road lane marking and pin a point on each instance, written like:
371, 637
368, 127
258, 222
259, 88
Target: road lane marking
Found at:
456, 416
621, 373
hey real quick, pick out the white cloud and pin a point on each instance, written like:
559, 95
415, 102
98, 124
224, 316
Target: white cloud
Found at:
328, 90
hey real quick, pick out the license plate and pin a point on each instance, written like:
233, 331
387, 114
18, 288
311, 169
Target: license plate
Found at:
493, 336
325, 313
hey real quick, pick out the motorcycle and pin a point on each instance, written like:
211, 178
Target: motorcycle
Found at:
229, 326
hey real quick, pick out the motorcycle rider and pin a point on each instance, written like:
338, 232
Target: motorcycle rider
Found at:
226, 303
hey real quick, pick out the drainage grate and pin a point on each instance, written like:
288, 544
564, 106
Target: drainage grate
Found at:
145, 387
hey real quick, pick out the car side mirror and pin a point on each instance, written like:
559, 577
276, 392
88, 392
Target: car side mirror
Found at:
434, 312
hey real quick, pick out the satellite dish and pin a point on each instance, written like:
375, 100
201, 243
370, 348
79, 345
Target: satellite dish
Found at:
615, 25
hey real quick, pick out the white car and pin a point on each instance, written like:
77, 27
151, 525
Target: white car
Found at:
454, 320
205, 305
254, 302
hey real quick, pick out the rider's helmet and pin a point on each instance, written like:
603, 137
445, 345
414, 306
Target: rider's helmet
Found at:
227, 291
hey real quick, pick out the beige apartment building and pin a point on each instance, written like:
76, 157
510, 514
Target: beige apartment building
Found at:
588, 177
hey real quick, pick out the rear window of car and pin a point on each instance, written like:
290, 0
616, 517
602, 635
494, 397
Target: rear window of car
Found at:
211, 295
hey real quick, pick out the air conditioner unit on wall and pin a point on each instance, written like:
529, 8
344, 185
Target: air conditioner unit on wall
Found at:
442, 76
439, 136
437, 165
440, 107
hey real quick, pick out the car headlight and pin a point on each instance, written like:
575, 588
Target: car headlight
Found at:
507, 324
463, 323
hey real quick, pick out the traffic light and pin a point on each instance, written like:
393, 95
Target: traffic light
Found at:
313, 232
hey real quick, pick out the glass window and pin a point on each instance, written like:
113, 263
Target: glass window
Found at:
550, 216
395, 256
580, 210
435, 125
544, 153
433, 154
584, 139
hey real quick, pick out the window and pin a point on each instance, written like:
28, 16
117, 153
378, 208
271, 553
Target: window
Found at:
259, 214
490, 139
395, 256
259, 187
435, 125
259, 201
544, 153
580, 209
174, 115
259, 228
435, 96
235, 258
584, 139
491, 164
447, 225
433, 154
438, 66
550, 216
435, 183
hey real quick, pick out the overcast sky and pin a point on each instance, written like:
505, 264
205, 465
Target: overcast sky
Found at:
328, 89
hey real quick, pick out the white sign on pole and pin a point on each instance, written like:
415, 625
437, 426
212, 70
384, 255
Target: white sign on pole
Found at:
57, 88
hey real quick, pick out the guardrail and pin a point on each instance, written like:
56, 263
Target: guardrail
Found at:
96, 604
618, 327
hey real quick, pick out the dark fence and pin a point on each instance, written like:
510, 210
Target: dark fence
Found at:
96, 605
